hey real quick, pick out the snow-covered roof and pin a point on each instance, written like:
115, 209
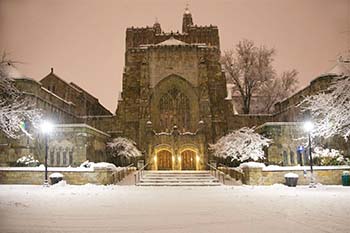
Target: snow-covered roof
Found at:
79, 125
171, 42
342, 67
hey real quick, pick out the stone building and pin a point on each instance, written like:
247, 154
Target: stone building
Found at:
66, 105
173, 98
174, 103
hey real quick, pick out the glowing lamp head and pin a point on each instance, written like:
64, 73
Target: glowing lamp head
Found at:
46, 127
308, 126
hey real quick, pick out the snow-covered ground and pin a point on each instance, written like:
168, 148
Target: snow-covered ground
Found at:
243, 209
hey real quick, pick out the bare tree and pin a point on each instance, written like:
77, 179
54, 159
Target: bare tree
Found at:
16, 110
250, 69
277, 89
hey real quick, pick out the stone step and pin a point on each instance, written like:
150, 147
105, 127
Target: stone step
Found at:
178, 178
175, 176
178, 171
180, 184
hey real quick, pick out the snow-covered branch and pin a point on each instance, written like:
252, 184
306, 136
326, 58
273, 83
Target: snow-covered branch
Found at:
16, 111
330, 110
123, 147
243, 144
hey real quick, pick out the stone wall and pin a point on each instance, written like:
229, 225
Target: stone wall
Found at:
266, 176
76, 176
72, 143
85, 104
241, 120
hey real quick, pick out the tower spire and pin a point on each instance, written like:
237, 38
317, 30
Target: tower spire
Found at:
157, 27
186, 19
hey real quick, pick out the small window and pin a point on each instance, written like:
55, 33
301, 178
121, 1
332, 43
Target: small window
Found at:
70, 157
64, 160
58, 157
52, 157
291, 157
285, 158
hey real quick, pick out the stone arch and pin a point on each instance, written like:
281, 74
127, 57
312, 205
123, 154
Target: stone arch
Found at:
163, 157
189, 155
183, 102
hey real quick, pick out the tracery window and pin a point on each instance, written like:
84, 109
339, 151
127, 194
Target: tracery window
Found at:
174, 109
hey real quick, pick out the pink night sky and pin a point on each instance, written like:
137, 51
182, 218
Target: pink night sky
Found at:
84, 40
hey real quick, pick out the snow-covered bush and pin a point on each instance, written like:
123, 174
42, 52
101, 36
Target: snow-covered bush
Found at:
88, 164
123, 147
27, 161
325, 157
242, 145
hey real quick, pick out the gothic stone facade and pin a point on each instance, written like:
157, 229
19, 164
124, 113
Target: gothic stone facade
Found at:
173, 99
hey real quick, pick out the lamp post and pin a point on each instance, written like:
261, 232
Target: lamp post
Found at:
308, 126
46, 128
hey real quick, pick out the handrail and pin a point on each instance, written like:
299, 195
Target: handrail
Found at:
130, 165
232, 168
234, 172
126, 167
217, 172
139, 174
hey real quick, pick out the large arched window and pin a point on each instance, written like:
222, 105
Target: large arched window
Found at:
174, 109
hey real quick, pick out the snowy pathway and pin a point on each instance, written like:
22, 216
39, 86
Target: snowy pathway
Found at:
243, 209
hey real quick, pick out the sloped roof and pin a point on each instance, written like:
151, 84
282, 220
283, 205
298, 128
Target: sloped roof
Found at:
171, 42
342, 67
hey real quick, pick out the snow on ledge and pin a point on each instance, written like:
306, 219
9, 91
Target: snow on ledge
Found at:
291, 175
56, 175
252, 165
302, 168
50, 169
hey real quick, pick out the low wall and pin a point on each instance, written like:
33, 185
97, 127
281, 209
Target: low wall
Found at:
35, 175
327, 175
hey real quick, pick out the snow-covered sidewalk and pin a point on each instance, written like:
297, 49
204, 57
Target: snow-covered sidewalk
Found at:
246, 209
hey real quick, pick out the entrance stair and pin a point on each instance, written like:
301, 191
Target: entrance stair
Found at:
177, 178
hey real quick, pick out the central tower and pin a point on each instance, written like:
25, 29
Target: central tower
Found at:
173, 99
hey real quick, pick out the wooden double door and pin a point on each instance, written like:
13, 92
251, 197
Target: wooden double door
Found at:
188, 160
164, 160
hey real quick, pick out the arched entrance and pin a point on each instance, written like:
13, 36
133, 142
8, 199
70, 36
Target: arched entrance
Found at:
188, 160
164, 160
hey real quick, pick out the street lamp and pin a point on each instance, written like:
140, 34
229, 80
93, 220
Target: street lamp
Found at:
46, 128
309, 126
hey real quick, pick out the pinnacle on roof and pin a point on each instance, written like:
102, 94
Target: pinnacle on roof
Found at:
157, 27
187, 20
156, 21
187, 10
